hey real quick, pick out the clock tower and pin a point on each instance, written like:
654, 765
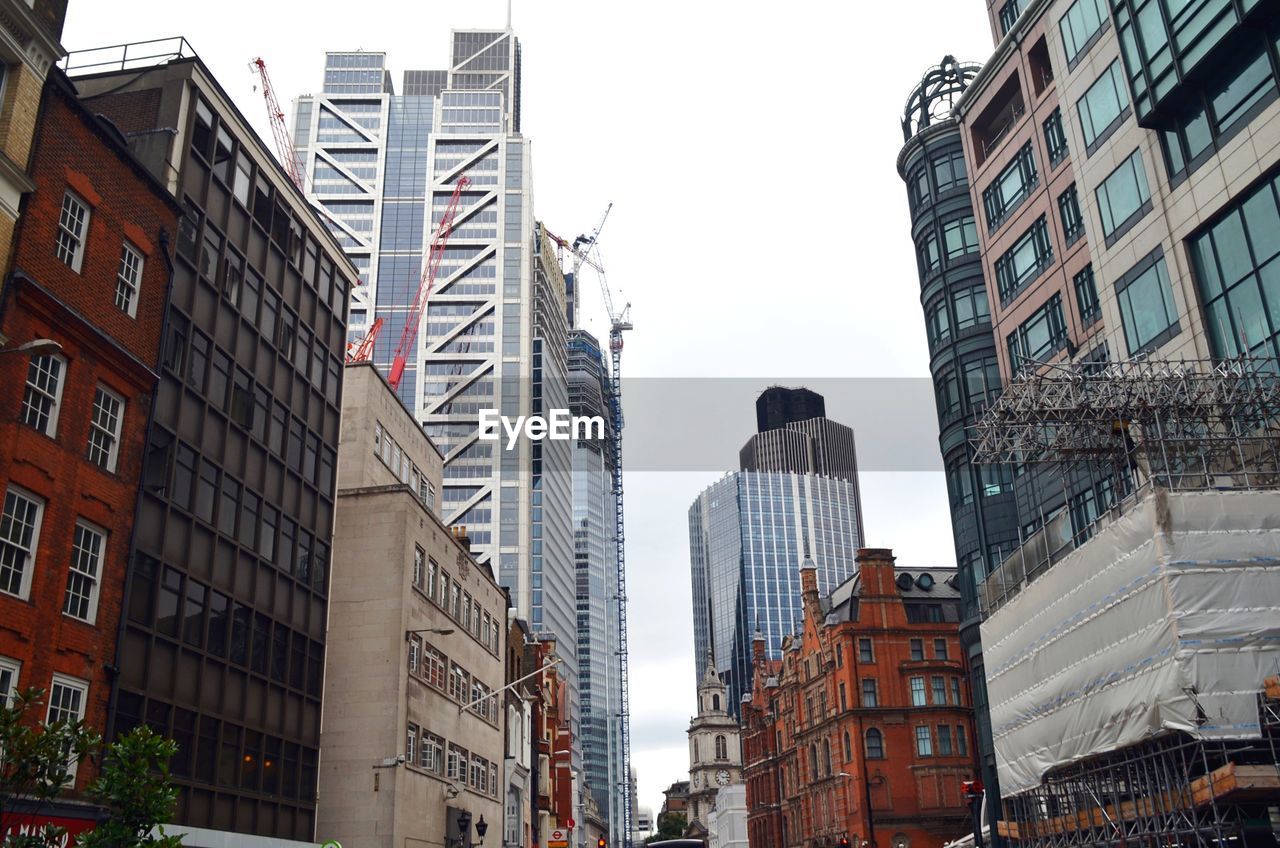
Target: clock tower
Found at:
715, 751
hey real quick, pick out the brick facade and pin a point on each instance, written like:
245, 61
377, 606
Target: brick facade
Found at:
102, 346
834, 733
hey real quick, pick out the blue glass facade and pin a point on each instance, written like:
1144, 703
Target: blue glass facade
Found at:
749, 533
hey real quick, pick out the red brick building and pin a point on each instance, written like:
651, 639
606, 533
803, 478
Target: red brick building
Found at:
864, 728
88, 273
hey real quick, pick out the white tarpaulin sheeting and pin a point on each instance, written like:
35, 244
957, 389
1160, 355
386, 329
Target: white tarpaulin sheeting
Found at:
1168, 618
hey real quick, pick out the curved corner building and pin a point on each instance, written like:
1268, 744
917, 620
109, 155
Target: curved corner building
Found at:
962, 351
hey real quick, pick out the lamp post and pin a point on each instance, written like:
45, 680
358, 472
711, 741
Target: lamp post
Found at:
437, 631
464, 827
553, 659
482, 827
35, 347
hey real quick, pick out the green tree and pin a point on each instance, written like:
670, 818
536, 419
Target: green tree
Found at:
37, 762
134, 787
670, 826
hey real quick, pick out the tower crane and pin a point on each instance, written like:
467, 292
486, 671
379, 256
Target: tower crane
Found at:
586, 251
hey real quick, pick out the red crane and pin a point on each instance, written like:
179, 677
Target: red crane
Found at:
284, 144
429, 269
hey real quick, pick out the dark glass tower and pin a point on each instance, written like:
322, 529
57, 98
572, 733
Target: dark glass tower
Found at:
962, 353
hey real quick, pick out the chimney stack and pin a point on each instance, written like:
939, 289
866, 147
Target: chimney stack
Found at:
875, 567
459, 532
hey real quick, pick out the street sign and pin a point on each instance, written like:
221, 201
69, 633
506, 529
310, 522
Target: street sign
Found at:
558, 840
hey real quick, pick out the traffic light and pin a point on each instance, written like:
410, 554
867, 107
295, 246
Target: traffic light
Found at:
600, 843
972, 789
844, 842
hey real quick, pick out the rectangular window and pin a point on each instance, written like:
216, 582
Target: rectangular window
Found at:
128, 279
972, 309
959, 482
432, 752
1103, 106
1009, 15
9, 670
411, 744
1010, 187
1039, 337
87, 548
944, 740
1055, 140
924, 741
927, 253
949, 171
955, 691
918, 698
1069, 212
1083, 20
1123, 198
67, 698
870, 694
917, 649
1087, 296
1146, 305
865, 653
104, 428
419, 559
19, 536
43, 394
938, 686
940, 649
1024, 261
73, 226
960, 237
433, 667
962, 746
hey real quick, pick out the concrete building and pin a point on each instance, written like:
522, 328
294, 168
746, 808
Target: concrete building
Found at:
412, 732
226, 604
29, 47
715, 752
727, 819
90, 274
963, 360
519, 764
861, 730
794, 435
748, 534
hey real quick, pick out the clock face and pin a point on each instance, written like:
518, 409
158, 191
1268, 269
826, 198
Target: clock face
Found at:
722, 777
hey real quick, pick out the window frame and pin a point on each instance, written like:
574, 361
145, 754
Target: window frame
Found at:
1113, 74
74, 258
1153, 261
128, 289
28, 571
111, 454
50, 427
13, 667
1113, 230
924, 741
94, 579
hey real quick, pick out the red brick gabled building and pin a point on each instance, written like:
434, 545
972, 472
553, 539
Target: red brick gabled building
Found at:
863, 730
89, 272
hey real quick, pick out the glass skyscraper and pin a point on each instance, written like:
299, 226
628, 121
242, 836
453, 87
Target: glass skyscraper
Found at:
749, 533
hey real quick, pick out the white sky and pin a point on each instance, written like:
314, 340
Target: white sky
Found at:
759, 225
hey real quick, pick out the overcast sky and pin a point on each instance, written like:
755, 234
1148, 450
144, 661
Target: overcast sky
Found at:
759, 226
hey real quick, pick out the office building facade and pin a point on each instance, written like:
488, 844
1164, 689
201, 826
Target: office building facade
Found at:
795, 436
748, 534
226, 601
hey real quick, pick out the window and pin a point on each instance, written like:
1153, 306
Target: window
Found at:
1009, 15
1010, 187
1023, 262
927, 253
43, 394
19, 535
722, 747
948, 170
87, 548
981, 381
432, 752
972, 309
959, 483
917, 649
433, 668
918, 187
419, 560
1146, 305
67, 698
1055, 140
432, 572
924, 741
104, 429
955, 691
960, 237
937, 322
415, 653
1040, 336
1069, 212
865, 653
1123, 198
875, 744
1238, 275
73, 226
944, 740
9, 670
128, 279
870, 693
938, 689
962, 747
1083, 20
411, 744
918, 698
940, 649
947, 390
1103, 107
1087, 296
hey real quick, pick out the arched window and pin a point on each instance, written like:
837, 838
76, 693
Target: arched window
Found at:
848, 749
813, 761
826, 756
875, 744
715, 702
722, 748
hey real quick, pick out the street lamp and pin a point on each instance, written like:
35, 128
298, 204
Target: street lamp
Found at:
551, 660
36, 347
464, 827
482, 827
437, 631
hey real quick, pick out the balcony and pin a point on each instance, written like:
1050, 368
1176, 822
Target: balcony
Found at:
998, 120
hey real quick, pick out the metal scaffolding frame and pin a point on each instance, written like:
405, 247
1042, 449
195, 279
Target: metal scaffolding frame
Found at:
1135, 425
1169, 792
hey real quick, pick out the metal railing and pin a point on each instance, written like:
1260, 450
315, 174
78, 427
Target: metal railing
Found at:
123, 57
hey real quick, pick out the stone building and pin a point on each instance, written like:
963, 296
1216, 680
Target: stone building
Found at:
413, 723
715, 752
863, 729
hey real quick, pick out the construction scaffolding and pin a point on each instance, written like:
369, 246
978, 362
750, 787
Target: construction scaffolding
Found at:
1135, 425
1172, 791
